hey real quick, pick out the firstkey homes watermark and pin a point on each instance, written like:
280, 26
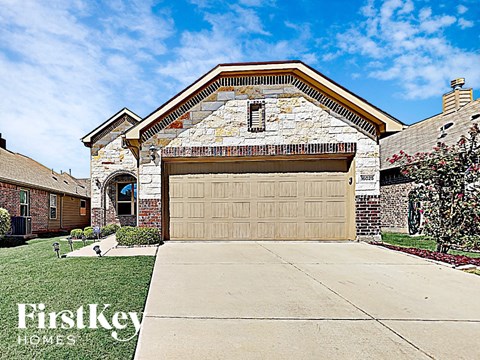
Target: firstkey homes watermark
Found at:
91, 316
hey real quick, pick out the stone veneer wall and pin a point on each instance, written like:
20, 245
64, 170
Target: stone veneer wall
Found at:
291, 118
108, 157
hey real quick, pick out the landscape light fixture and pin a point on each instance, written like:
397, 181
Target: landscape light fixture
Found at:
97, 250
152, 149
70, 242
84, 239
56, 248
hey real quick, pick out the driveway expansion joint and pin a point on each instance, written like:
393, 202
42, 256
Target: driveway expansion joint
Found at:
351, 303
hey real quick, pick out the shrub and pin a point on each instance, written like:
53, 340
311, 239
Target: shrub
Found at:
88, 233
109, 229
4, 222
76, 233
128, 236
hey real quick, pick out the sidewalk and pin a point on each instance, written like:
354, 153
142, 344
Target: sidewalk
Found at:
109, 248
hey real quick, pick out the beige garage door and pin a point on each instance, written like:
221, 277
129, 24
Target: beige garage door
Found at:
297, 205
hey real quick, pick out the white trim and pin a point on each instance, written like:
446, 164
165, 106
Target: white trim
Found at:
88, 138
53, 196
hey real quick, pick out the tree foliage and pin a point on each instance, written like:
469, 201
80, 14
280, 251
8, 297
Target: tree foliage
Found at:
447, 186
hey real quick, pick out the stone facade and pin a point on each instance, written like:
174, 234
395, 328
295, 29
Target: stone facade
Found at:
110, 163
220, 121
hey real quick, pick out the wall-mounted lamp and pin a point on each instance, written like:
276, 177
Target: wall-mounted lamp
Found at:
153, 152
98, 183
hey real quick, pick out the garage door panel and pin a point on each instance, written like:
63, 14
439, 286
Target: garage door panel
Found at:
241, 210
266, 210
266, 206
288, 210
265, 230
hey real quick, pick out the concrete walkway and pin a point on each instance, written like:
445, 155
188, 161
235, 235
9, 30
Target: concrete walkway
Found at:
109, 248
298, 300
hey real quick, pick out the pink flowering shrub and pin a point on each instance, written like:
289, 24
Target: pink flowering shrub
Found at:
448, 184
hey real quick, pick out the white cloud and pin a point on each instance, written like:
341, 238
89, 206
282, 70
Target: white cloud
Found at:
464, 23
462, 9
236, 35
408, 47
65, 75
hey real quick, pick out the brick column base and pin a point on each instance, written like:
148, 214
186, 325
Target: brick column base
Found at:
150, 213
97, 217
367, 215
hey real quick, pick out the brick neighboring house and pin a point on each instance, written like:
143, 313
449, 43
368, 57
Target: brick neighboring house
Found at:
458, 115
249, 151
54, 202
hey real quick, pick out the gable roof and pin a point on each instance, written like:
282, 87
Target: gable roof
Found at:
385, 122
87, 139
23, 171
424, 135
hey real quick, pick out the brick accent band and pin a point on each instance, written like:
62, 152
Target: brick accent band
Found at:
367, 214
260, 150
150, 213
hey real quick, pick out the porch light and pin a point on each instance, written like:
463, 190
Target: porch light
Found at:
56, 248
97, 250
152, 150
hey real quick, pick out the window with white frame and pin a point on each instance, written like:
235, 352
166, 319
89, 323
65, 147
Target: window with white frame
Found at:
53, 206
126, 198
24, 203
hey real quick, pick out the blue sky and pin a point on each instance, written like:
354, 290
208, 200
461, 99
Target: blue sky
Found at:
67, 66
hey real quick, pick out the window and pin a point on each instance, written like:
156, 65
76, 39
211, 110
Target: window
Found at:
53, 206
256, 116
83, 207
126, 198
24, 203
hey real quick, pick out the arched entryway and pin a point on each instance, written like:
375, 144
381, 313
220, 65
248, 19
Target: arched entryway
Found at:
119, 198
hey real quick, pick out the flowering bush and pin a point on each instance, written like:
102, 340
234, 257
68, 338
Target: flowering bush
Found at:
4, 222
448, 180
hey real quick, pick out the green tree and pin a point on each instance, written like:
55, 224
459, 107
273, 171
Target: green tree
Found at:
447, 186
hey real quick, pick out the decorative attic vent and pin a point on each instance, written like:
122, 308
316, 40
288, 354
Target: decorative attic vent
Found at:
444, 128
256, 116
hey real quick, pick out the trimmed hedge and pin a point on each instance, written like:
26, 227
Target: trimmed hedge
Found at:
109, 229
76, 233
4, 222
88, 233
129, 236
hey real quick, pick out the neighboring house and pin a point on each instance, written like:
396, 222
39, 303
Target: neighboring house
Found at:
53, 202
459, 113
249, 151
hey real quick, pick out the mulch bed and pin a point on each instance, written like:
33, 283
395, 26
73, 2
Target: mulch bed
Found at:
456, 260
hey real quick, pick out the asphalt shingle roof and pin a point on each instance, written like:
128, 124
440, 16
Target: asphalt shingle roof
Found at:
424, 135
21, 169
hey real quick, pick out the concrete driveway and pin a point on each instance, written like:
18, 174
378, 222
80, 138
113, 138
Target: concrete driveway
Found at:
299, 300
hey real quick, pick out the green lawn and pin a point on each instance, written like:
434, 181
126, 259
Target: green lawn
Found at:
31, 274
419, 242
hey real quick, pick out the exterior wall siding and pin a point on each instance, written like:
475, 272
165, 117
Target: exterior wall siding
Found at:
40, 208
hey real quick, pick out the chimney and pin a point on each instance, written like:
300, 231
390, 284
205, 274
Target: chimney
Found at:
456, 98
3, 142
